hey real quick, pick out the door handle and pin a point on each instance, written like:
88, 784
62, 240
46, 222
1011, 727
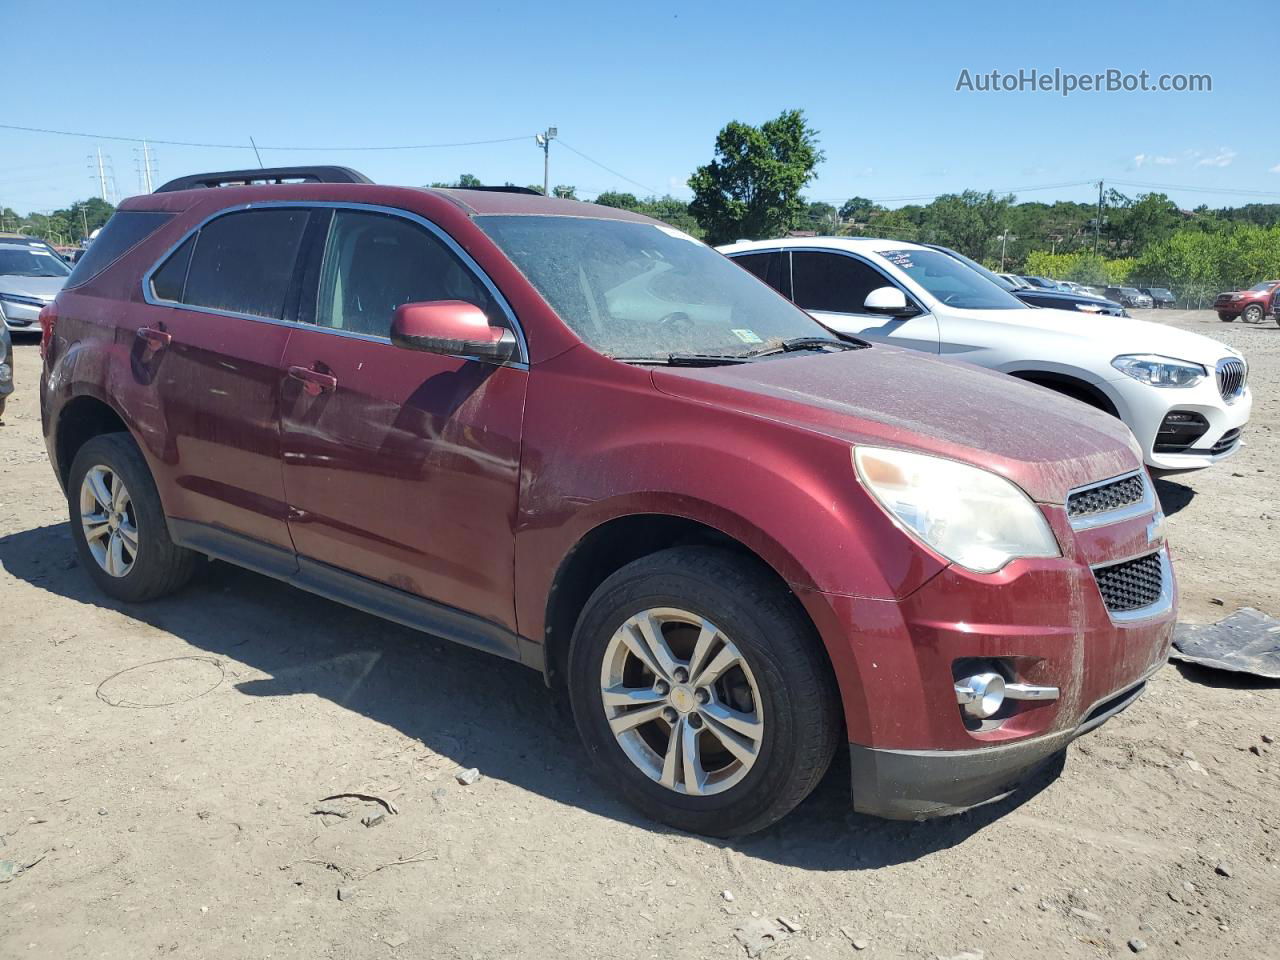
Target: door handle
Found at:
155, 340
313, 381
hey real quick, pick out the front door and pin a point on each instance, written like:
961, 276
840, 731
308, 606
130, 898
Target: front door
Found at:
833, 287
400, 466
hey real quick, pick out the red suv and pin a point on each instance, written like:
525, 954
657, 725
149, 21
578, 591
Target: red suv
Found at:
578, 438
1252, 305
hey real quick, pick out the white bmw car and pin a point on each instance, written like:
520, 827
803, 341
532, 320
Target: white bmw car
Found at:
1185, 397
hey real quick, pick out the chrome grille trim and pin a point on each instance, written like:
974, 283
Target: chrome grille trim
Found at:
1232, 374
1088, 495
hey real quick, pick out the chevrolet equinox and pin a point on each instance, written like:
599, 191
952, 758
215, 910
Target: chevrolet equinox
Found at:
578, 438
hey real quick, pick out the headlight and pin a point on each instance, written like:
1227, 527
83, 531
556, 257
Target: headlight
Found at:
971, 516
1160, 371
6, 373
1089, 307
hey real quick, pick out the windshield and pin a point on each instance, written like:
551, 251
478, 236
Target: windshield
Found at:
643, 290
954, 283
976, 267
1262, 287
1130, 292
31, 261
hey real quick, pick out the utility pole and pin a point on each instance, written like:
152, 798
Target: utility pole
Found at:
146, 166
544, 141
1004, 243
102, 178
1097, 223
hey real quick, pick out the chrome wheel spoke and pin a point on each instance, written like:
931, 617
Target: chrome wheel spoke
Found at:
98, 486
691, 759
671, 765
727, 658
633, 718
630, 696
95, 526
643, 637
119, 495
130, 536
115, 555
706, 639
736, 732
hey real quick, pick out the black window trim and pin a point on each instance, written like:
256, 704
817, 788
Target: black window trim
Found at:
790, 295
293, 293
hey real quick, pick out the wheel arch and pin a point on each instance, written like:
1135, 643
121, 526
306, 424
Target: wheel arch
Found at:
80, 419
612, 544
1071, 386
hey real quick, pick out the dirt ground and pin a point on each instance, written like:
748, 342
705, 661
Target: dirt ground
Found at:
164, 769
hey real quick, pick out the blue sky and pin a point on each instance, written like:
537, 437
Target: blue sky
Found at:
641, 89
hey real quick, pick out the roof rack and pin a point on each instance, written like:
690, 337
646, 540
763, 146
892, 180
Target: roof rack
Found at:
509, 188
264, 175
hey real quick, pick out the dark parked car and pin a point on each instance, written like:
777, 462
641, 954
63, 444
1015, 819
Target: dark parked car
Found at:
1039, 296
1130, 297
1160, 296
578, 438
1250, 305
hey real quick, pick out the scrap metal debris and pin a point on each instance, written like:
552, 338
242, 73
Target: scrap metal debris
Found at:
758, 935
1247, 641
368, 797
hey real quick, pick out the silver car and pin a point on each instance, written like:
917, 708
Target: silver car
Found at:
31, 274
6, 366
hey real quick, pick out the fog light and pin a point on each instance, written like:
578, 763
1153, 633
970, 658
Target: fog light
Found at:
981, 695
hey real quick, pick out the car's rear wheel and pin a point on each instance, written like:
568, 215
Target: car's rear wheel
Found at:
702, 692
118, 524
1252, 313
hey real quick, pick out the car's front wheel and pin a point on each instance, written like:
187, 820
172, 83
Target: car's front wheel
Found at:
1226, 317
702, 691
1252, 314
118, 524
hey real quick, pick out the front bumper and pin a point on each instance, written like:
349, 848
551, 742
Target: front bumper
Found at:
1143, 409
918, 784
22, 317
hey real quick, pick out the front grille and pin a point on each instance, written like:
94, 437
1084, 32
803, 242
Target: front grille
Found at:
1227, 442
1106, 497
1231, 377
1131, 585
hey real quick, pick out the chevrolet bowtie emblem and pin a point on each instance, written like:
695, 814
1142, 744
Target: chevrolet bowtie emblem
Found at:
1155, 530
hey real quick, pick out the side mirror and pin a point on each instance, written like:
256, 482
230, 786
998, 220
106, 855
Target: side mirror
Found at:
890, 301
451, 327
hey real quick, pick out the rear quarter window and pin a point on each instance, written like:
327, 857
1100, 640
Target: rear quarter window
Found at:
124, 231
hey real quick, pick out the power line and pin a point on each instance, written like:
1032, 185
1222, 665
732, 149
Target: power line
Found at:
652, 192
1224, 191
245, 146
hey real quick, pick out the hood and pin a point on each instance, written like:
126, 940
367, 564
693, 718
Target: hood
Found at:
1042, 441
1061, 296
45, 288
1115, 336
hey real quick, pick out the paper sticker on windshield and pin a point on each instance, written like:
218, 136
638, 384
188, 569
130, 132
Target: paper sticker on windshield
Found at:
746, 336
41, 253
678, 234
899, 258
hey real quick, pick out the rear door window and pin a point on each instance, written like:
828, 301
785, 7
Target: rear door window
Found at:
833, 282
243, 262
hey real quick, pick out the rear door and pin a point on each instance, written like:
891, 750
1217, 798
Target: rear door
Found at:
210, 343
400, 466
833, 286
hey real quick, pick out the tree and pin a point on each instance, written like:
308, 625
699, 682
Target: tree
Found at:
564, 192
968, 221
856, 208
822, 217
623, 201
752, 186
464, 180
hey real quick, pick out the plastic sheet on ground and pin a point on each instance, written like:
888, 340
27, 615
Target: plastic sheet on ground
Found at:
1248, 641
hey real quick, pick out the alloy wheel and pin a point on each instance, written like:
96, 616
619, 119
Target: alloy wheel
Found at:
682, 702
108, 520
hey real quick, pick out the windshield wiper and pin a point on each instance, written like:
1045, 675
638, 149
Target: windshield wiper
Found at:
796, 344
691, 359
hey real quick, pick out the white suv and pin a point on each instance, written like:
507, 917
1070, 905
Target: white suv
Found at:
1184, 396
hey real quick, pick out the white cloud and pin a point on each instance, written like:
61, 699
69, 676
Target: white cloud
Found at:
1164, 161
1139, 159
1275, 169
1142, 159
1222, 158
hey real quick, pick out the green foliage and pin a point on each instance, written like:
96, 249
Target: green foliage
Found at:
667, 209
1080, 267
820, 217
857, 208
1199, 262
68, 226
623, 201
464, 180
564, 192
752, 186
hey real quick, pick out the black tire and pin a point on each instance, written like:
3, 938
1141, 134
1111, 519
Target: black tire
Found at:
801, 702
1252, 314
1226, 317
2, 403
160, 567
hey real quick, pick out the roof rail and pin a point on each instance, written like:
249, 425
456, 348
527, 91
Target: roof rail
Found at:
509, 188
230, 178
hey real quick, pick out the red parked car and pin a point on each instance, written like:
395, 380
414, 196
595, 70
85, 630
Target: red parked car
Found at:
1250, 305
578, 438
